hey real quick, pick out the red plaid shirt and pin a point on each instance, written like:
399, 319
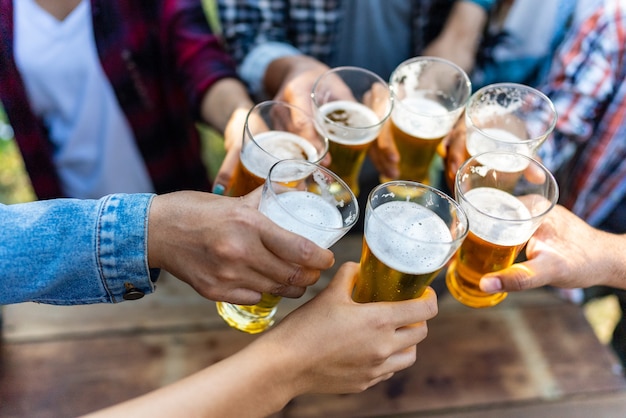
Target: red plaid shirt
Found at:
160, 57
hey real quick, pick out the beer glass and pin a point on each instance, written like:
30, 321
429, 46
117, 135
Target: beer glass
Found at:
504, 209
411, 231
350, 106
429, 96
508, 117
274, 131
306, 199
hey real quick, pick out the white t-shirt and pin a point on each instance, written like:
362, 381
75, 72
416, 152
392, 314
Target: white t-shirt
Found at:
94, 148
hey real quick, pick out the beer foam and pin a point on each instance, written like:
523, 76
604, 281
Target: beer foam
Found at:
500, 207
423, 118
422, 242
353, 122
499, 140
274, 146
306, 214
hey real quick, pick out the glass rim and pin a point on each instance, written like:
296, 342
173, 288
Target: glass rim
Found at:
549, 178
427, 58
542, 96
372, 74
268, 103
314, 166
461, 214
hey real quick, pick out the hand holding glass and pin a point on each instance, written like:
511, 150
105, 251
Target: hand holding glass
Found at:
350, 106
411, 231
274, 131
308, 200
505, 196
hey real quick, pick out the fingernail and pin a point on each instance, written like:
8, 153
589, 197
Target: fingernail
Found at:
490, 284
218, 189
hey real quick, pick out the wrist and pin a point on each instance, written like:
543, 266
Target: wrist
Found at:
614, 259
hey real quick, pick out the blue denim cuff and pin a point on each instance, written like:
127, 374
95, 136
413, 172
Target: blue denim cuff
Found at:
254, 65
122, 246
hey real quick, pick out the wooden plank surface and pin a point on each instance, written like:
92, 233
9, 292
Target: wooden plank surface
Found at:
533, 355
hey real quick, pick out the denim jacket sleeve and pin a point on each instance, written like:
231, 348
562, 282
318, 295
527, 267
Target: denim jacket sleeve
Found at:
69, 251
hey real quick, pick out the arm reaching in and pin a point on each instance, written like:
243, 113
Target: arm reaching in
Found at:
331, 344
229, 251
565, 252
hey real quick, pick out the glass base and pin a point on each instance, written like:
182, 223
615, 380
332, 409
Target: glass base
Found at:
245, 319
470, 296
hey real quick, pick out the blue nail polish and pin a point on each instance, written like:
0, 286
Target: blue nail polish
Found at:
218, 189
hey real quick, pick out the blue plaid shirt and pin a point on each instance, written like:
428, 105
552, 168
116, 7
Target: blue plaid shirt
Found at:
274, 28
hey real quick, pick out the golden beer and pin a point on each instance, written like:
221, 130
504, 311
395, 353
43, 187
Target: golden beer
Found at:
417, 132
499, 229
250, 318
307, 200
351, 127
405, 245
258, 156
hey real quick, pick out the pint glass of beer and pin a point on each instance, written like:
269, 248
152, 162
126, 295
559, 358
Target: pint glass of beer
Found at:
274, 131
350, 105
508, 117
306, 199
411, 231
504, 210
429, 96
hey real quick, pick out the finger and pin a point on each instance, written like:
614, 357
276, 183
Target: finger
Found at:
520, 276
294, 248
224, 176
344, 280
401, 360
413, 311
384, 153
244, 297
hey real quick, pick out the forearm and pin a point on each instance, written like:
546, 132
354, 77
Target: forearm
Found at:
250, 383
225, 99
461, 35
466, 23
612, 264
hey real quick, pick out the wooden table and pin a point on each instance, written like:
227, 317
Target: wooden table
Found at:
532, 356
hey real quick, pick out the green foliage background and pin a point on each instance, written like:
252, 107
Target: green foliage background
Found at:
15, 185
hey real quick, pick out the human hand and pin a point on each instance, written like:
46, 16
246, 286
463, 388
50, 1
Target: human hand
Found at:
227, 250
564, 252
329, 345
453, 152
384, 154
233, 139
337, 345
291, 79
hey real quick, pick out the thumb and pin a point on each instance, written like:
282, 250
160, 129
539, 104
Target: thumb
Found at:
344, 280
520, 276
